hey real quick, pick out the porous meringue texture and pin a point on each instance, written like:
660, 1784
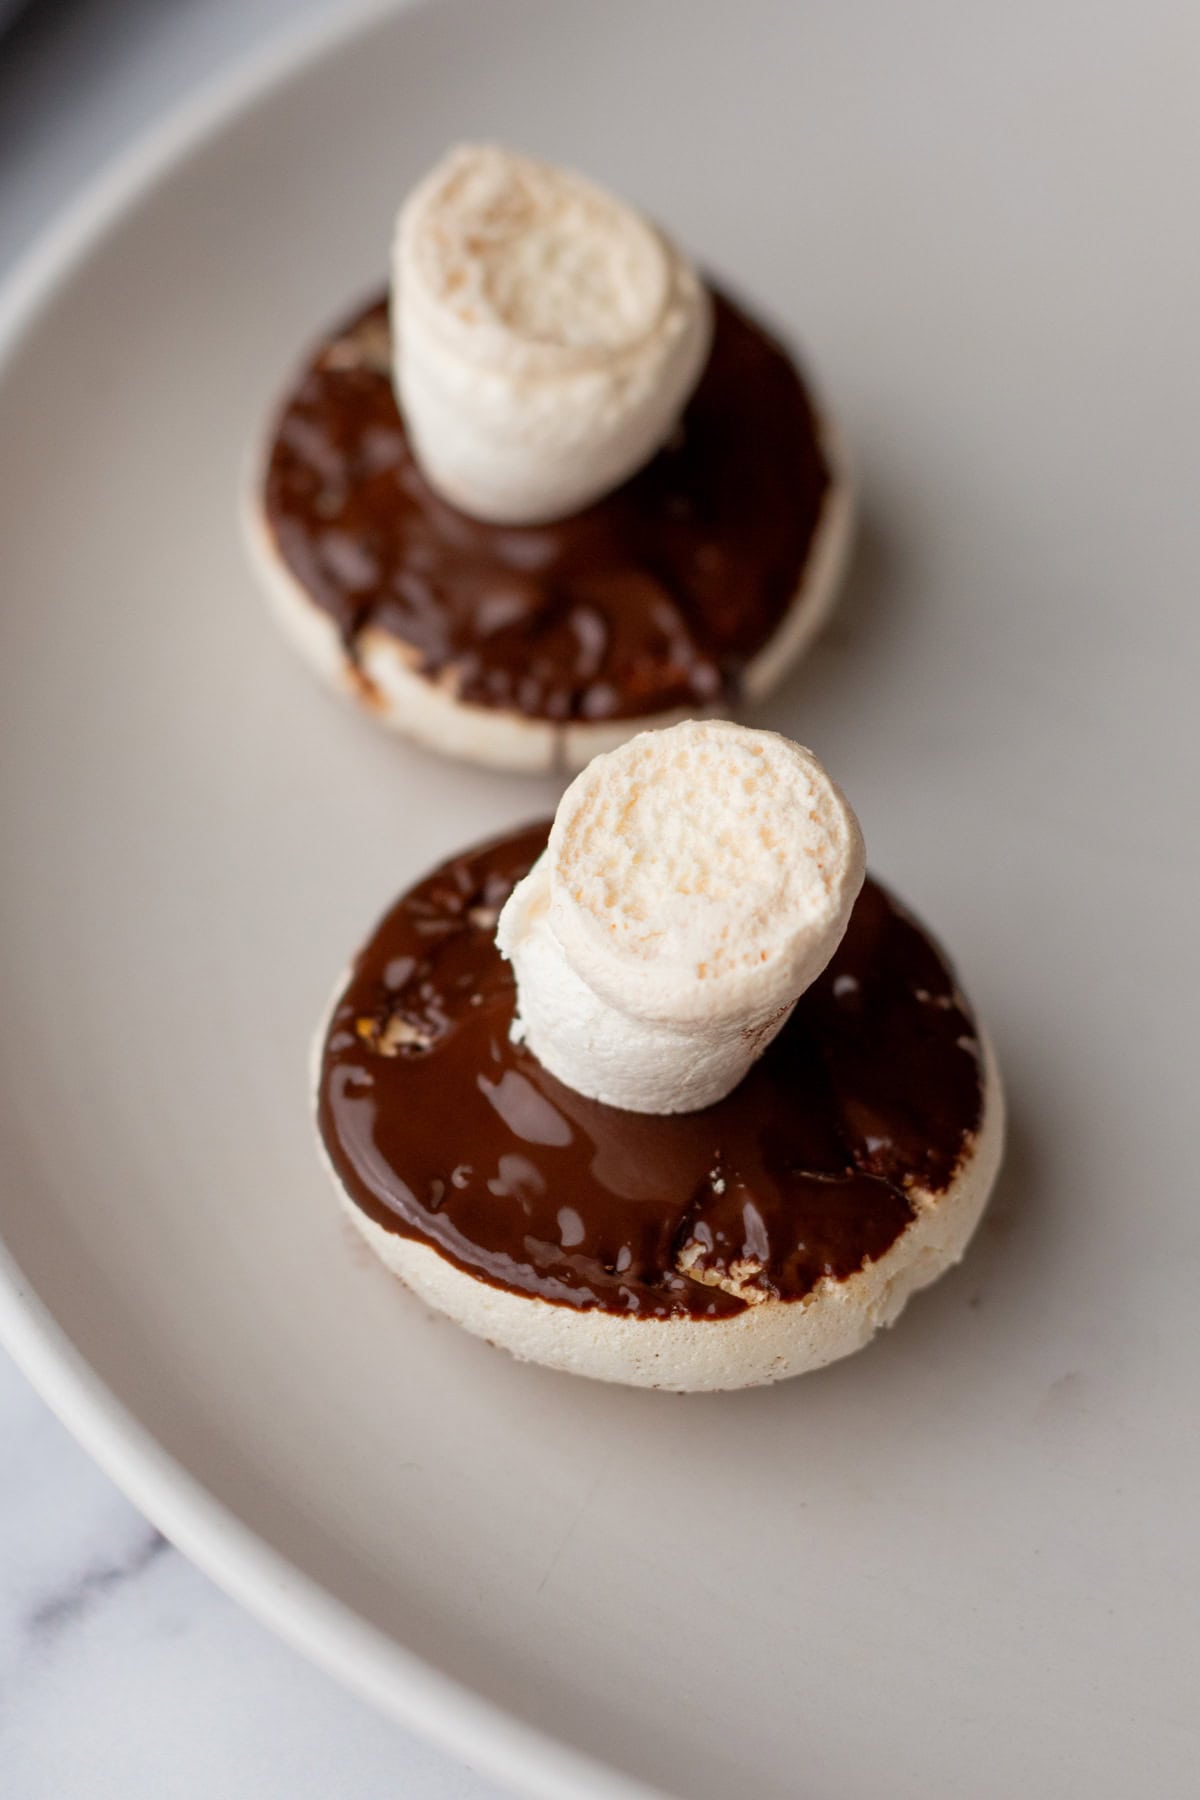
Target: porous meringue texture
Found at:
697, 880
546, 336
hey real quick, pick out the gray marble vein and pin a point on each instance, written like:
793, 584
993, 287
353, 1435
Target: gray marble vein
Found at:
90, 1588
125, 1673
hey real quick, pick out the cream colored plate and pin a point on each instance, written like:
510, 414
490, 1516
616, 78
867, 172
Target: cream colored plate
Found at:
963, 1563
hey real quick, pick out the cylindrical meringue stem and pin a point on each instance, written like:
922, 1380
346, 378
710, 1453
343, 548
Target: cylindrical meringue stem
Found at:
696, 881
547, 337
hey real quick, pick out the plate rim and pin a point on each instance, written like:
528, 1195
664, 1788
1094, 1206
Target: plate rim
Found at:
330, 1633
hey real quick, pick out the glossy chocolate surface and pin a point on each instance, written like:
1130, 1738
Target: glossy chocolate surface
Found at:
442, 1130
655, 597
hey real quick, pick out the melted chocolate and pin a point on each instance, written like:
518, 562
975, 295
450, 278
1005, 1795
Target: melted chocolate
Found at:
655, 597
443, 1130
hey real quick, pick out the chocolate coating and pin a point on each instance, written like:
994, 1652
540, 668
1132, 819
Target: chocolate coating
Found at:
655, 597
442, 1130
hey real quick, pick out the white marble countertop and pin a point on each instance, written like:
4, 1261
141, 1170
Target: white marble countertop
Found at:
123, 1671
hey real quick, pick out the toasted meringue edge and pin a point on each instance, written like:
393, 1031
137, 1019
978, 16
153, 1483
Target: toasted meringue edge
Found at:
385, 681
768, 1342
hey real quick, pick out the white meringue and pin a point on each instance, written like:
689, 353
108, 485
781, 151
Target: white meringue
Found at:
697, 880
547, 337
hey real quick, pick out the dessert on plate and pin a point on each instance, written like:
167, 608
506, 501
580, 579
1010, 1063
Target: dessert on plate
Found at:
667, 1092
552, 490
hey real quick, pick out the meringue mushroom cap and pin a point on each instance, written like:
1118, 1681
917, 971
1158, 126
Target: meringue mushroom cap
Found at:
766, 1342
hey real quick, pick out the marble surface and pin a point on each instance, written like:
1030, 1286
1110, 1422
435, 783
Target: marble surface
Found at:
123, 1671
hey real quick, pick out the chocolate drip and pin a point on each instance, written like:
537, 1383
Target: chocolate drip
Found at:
441, 1129
655, 597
